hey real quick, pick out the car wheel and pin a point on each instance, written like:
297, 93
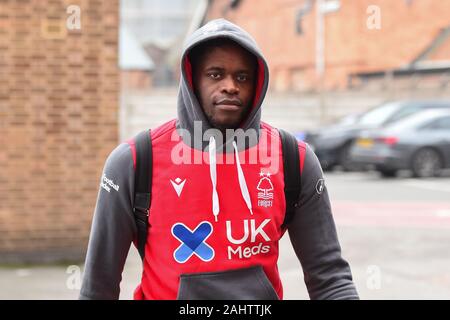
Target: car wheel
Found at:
426, 163
388, 173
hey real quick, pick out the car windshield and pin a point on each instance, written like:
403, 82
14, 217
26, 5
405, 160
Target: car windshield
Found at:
349, 120
379, 115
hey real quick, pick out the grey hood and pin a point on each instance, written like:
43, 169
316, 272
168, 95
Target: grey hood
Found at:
188, 106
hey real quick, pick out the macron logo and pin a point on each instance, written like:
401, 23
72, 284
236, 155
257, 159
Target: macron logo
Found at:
107, 184
178, 185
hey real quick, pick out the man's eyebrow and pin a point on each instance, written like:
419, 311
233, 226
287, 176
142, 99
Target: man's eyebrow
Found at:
215, 68
244, 71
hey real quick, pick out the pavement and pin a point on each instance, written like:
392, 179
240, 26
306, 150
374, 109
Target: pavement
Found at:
393, 232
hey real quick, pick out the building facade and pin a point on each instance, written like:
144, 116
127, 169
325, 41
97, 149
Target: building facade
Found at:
59, 90
359, 37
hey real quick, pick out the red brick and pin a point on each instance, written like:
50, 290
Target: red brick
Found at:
46, 87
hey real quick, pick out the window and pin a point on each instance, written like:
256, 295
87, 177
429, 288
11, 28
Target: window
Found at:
403, 113
378, 115
437, 124
443, 123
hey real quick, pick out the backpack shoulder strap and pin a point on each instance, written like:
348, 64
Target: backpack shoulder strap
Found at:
142, 187
292, 174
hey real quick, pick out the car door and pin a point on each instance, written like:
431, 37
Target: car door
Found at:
443, 128
437, 134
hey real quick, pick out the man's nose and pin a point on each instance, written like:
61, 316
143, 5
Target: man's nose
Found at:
229, 85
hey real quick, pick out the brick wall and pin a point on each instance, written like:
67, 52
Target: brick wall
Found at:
58, 122
407, 27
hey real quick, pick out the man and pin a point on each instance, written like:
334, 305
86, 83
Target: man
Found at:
215, 219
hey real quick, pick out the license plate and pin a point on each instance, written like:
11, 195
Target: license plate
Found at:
365, 143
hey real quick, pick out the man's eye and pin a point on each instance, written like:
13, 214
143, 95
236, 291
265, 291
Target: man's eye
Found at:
242, 77
214, 75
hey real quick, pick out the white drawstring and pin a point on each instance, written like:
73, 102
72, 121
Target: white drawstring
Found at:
213, 174
242, 182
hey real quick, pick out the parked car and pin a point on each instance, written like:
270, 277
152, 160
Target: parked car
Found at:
332, 144
420, 142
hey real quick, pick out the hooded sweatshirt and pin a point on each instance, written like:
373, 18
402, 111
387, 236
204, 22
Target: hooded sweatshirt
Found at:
217, 207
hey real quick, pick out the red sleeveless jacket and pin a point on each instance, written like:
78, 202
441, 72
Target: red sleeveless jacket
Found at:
185, 242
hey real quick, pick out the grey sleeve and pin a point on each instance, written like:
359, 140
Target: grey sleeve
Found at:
113, 228
312, 232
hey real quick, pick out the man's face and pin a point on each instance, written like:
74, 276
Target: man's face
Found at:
224, 82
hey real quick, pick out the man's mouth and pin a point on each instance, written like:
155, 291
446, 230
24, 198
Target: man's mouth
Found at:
228, 104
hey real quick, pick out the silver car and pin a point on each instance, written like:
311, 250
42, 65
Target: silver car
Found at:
332, 144
420, 142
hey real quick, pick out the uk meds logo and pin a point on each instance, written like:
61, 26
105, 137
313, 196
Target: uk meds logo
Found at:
193, 242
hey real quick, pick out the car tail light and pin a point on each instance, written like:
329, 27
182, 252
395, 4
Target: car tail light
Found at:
387, 140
